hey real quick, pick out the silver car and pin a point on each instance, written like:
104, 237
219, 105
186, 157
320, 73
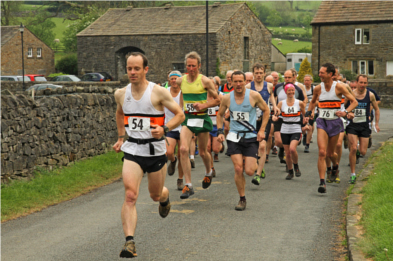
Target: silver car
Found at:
15, 78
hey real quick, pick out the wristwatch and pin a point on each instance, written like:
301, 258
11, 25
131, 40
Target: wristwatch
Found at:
166, 129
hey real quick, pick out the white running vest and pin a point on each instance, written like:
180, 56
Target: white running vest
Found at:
168, 114
291, 117
139, 114
329, 103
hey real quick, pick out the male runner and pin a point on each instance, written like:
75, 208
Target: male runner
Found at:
227, 88
358, 128
249, 77
329, 124
265, 89
308, 79
195, 87
140, 113
242, 139
270, 140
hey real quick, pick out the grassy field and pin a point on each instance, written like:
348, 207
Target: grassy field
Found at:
303, 5
289, 46
288, 29
48, 188
377, 206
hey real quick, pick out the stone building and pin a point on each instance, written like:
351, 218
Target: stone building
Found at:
237, 39
38, 57
356, 36
279, 61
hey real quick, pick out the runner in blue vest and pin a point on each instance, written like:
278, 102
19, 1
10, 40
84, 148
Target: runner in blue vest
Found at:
242, 139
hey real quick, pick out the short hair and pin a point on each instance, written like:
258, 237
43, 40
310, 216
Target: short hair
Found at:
294, 72
238, 73
271, 76
192, 55
258, 66
352, 81
145, 61
217, 79
329, 68
308, 75
361, 75
229, 71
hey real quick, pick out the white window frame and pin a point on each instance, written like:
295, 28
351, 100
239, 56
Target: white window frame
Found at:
30, 52
358, 41
389, 65
39, 52
365, 67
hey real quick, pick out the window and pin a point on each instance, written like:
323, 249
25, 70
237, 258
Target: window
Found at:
289, 60
389, 68
358, 35
39, 52
300, 60
366, 36
370, 67
30, 52
246, 48
179, 67
355, 67
363, 67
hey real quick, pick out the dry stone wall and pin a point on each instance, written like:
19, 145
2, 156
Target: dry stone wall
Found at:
54, 130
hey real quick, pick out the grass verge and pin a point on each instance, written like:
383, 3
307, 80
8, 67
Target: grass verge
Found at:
289, 46
377, 218
21, 198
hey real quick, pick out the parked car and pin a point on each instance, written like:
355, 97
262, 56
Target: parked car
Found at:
15, 78
66, 78
38, 87
107, 76
94, 77
36, 77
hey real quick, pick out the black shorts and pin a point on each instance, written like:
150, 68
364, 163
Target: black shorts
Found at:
362, 130
277, 125
247, 148
148, 164
267, 128
228, 119
174, 135
287, 138
311, 122
301, 120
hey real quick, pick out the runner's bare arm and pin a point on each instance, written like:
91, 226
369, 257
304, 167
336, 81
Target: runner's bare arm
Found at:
303, 109
376, 108
272, 99
221, 111
178, 81
209, 86
121, 130
315, 96
342, 90
301, 86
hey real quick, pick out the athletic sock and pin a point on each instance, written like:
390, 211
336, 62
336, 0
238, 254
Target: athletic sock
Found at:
335, 167
210, 173
329, 168
353, 174
164, 204
189, 185
322, 182
267, 156
130, 238
307, 144
290, 171
191, 156
243, 198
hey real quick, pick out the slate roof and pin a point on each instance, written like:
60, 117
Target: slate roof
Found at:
8, 32
352, 12
161, 20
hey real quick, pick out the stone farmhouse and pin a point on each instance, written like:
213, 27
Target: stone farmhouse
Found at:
356, 36
38, 57
237, 39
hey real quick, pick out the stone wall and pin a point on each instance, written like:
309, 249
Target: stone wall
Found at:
337, 46
384, 88
54, 130
11, 58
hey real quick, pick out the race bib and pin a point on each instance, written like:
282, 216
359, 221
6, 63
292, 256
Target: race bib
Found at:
190, 107
291, 110
233, 137
327, 113
241, 116
138, 124
211, 111
258, 112
195, 123
360, 115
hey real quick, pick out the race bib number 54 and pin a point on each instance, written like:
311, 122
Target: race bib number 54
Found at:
139, 124
241, 116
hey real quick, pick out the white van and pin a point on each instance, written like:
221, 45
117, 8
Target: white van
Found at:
295, 59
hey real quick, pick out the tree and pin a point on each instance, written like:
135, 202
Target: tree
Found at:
305, 68
43, 30
263, 11
307, 22
274, 19
8, 10
68, 64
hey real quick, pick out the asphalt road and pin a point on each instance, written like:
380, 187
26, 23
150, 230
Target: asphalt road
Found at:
284, 220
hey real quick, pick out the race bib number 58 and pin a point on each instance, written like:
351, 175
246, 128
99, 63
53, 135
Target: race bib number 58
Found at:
139, 124
190, 107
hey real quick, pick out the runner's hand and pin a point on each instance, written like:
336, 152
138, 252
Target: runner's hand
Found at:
341, 114
260, 136
198, 106
157, 132
117, 146
350, 116
377, 127
221, 138
277, 111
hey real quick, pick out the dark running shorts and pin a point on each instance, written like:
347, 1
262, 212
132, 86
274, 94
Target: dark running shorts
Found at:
248, 148
277, 125
174, 135
362, 130
213, 133
311, 122
287, 138
148, 164
267, 129
331, 127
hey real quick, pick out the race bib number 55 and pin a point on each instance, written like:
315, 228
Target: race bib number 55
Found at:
241, 116
139, 124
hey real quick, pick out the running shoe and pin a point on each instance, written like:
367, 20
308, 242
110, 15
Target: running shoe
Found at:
352, 179
322, 188
213, 173
305, 139
297, 172
267, 159
306, 149
164, 211
192, 163
187, 192
222, 148
263, 174
196, 150
172, 167
180, 184
128, 250
334, 175
216, 158
286, 169
241, 205
329, 176
283, 161
256, 180
289, 176
370, 142
337, 180
207, 180
274, 150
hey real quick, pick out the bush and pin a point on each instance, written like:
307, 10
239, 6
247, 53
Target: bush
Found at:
305, 68
305, 50
68, 64
316, 78
53, 75
348, 74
